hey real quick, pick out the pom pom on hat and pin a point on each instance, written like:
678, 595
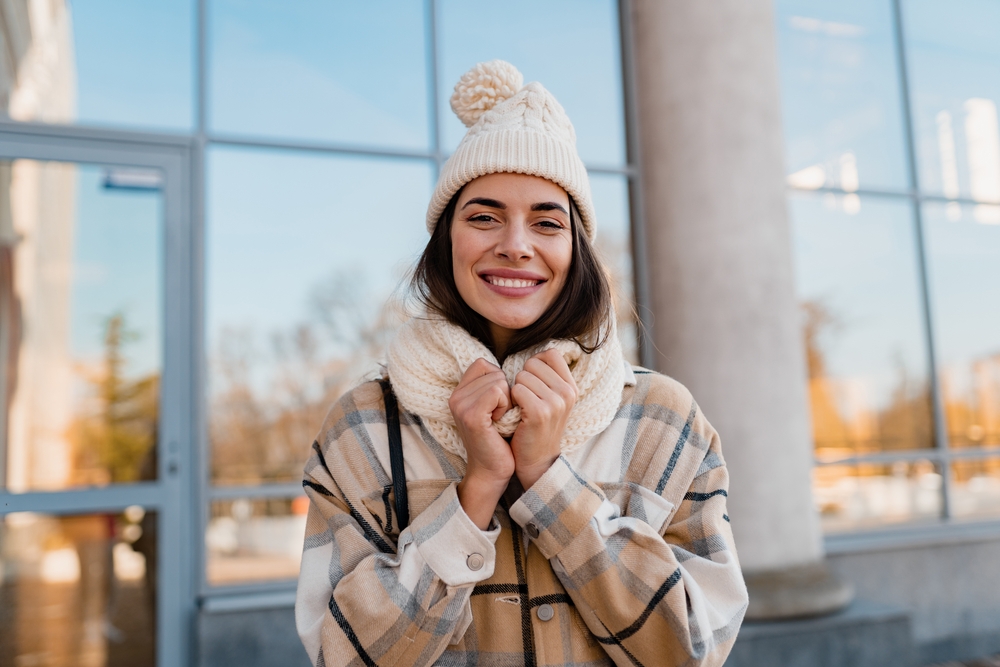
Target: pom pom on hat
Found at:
513, 128
482, 88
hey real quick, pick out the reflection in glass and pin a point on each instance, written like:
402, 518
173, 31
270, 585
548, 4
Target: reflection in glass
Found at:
78, 590
255, 540
571, 46
975, 488
98, 62
304, 252
858, 286
840, 94
80, 341
868, 495
964, 271
351, 72
614, 243
954, 62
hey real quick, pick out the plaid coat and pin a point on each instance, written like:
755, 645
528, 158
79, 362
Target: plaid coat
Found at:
620, 554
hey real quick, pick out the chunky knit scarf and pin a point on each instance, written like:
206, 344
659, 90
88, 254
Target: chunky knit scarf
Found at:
429, 355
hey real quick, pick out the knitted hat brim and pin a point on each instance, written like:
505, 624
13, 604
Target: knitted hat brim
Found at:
517, 151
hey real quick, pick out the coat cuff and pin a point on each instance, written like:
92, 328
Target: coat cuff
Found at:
557, 507
458, 552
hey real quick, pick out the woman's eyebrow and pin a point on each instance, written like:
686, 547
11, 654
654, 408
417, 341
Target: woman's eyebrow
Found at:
492, 203
548, 206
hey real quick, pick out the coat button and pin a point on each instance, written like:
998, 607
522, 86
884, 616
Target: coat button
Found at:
545, 612
475, 562
532, 530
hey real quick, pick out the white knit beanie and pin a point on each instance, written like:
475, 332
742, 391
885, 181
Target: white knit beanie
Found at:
516, 129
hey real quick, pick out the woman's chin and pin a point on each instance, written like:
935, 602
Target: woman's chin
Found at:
512, 322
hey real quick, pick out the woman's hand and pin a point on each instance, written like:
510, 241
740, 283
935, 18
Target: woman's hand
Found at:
546, 392
481, 397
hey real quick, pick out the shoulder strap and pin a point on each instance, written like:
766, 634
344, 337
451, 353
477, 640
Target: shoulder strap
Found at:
396, 455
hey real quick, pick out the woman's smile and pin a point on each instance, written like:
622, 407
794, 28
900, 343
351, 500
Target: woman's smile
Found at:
510, 282
512, 246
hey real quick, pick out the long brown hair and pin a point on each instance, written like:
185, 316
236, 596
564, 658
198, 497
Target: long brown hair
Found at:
582, 312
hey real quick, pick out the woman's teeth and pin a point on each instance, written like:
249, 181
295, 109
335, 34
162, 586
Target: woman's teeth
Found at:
510, 282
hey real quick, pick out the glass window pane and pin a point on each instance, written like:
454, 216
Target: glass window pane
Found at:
614, 243
963, 250
869, 495
78, 590
840, 94
858, 287
80, 336
304, 252
578, 59
954, 62
350, 72
255, 540
975, 488
99, 62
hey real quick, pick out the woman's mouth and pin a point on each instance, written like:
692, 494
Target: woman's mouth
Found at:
510, 282
512, 286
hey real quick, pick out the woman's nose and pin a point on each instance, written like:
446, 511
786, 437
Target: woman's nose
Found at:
514, 242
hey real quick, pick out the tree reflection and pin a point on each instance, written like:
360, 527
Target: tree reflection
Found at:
269, 397
847, 417
114, 432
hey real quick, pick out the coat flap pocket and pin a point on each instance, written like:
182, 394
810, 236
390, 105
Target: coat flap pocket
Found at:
652, 508
421, 493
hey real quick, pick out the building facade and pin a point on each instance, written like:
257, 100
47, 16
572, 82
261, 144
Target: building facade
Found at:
208, 209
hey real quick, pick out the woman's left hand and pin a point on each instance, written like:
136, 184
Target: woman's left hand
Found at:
546, 392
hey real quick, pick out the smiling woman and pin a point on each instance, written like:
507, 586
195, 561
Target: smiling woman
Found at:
546, 479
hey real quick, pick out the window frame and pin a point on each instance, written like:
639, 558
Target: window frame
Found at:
174, 494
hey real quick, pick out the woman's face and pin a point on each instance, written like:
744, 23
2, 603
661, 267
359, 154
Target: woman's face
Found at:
511, 249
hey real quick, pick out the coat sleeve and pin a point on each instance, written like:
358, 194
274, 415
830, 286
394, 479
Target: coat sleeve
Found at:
362, 599
654, 586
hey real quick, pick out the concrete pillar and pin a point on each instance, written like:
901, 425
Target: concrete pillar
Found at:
725, 319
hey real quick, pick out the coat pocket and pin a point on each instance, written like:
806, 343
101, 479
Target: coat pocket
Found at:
638, 502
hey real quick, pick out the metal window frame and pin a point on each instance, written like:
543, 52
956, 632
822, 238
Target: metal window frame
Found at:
949, 528
170, 495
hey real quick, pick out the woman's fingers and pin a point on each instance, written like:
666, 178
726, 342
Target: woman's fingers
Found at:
550, 368
482, 396
554, 360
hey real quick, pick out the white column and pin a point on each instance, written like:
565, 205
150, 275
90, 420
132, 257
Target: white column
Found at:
725, 319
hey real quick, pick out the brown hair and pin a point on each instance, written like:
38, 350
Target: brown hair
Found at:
582, 312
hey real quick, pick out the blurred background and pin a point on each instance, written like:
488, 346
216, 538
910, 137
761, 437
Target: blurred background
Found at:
208, 207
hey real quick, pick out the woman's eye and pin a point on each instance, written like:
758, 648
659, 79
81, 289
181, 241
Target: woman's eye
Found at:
481, 217
550, 224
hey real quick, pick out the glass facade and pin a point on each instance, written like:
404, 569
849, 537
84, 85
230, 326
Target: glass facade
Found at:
78, 589
893, 157
81, 334
315, 134
318, 71
100, 62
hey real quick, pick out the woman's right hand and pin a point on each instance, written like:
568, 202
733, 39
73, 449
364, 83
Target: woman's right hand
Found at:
481, 397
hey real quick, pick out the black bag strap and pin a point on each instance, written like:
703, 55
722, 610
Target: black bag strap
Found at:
396, 455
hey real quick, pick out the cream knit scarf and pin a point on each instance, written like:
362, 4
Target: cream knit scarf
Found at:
429, 355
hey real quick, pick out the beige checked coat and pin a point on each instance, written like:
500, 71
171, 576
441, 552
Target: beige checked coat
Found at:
621, 554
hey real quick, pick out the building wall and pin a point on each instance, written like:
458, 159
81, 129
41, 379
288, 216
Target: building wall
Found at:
952, 591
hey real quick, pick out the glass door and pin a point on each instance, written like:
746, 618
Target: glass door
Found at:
95, 471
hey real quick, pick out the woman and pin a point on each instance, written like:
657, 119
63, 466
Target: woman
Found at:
564, 507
